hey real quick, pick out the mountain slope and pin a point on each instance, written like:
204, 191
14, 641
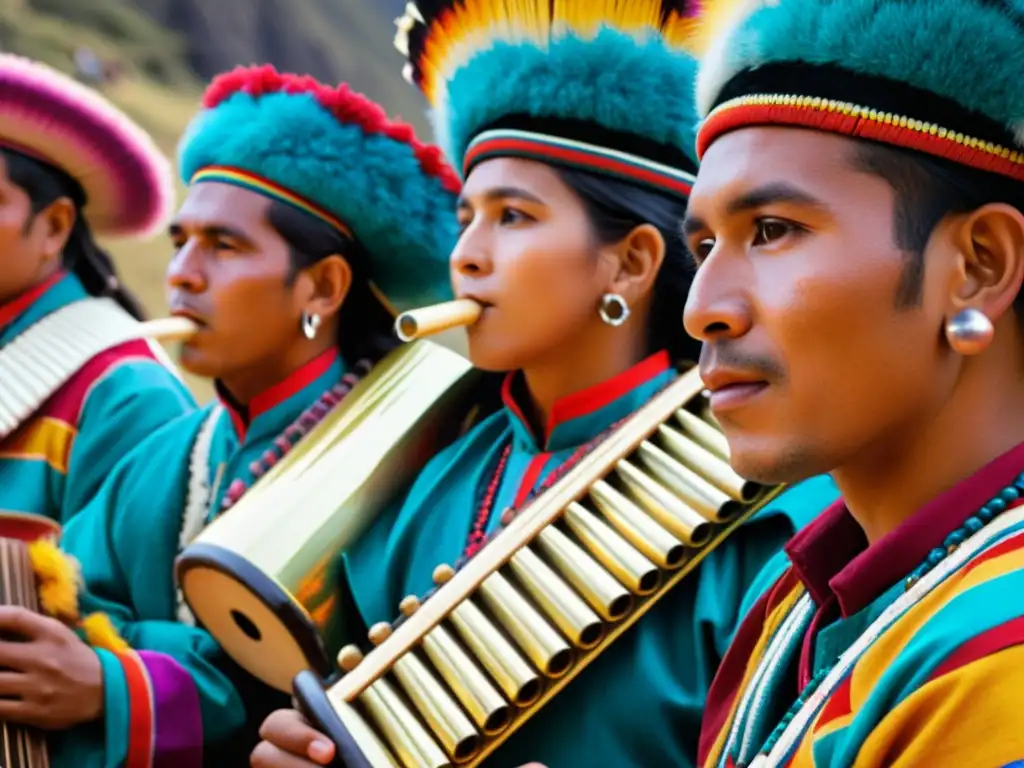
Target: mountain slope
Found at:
328, 39
167, 50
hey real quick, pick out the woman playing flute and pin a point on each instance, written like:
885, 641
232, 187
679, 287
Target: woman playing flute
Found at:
576, 152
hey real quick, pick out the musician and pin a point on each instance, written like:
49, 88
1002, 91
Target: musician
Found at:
305, 207
858, 230
72, 165
576, 158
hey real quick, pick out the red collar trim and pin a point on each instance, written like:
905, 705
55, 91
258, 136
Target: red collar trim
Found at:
591, 399
242, 416
12, 309
832, 558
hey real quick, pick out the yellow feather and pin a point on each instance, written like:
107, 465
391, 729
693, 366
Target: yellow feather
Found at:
585, 17
57, 577
716, 18
681, 32
462, 29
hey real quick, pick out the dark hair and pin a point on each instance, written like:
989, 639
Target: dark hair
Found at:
44, 185
615, 208
926, 190
364, 325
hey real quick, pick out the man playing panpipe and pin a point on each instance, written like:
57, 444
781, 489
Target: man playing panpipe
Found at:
858, 230
304, 205
72, 165
576, 155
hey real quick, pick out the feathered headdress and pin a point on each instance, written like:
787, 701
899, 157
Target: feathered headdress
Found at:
937, 76
603, 85
334, 154
46, 115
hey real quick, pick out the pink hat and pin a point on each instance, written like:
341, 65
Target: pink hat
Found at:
49, 116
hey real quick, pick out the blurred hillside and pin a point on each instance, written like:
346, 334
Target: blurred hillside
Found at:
161, 53
166, 49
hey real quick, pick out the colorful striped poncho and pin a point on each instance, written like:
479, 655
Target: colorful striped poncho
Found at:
909, 652
55, 461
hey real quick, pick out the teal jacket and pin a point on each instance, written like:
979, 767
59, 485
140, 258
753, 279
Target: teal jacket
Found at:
640, 702
55, 462
127, 539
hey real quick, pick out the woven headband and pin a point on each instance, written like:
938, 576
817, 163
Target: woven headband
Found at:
267, 188
576, 154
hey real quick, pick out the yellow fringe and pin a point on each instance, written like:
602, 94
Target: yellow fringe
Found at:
100, 633
58, 580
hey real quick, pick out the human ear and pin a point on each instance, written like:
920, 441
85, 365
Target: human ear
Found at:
330, 280
55, 223
990, 269
638, 259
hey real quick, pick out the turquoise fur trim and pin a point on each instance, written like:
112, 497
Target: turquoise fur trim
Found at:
970, 51
403, 217
615, 80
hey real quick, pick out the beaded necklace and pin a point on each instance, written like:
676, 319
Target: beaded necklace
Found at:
294, 432
974, 524
198, 507
478, 537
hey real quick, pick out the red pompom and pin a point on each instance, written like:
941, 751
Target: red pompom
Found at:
342, 102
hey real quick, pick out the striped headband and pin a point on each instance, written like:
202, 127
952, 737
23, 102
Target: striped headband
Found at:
863, 122
262, 186
576, 154
239, 178
940, 77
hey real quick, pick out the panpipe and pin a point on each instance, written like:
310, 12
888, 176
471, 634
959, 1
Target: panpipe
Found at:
429, 321
39, 361
465, 666
168, 329
261, 577
22, 746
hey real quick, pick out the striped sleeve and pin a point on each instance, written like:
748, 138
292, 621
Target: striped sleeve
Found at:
943, 687
125, 540
966, 715
115, 401
152, 712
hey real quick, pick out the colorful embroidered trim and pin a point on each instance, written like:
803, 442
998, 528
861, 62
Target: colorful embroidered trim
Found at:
862, 122
783, 744
142, 719
267, 188
588, 157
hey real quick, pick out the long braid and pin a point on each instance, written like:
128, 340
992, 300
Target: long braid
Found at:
82, 255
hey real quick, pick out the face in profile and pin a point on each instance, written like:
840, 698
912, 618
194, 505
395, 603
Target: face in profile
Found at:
30, 244
230, 273
528, 254
809, 354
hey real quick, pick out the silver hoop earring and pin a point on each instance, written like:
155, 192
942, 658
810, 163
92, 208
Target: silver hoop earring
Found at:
969, 331
614, 309
310, 323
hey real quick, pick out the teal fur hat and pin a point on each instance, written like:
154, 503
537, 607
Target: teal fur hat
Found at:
937, 76
601, 86
334, 154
